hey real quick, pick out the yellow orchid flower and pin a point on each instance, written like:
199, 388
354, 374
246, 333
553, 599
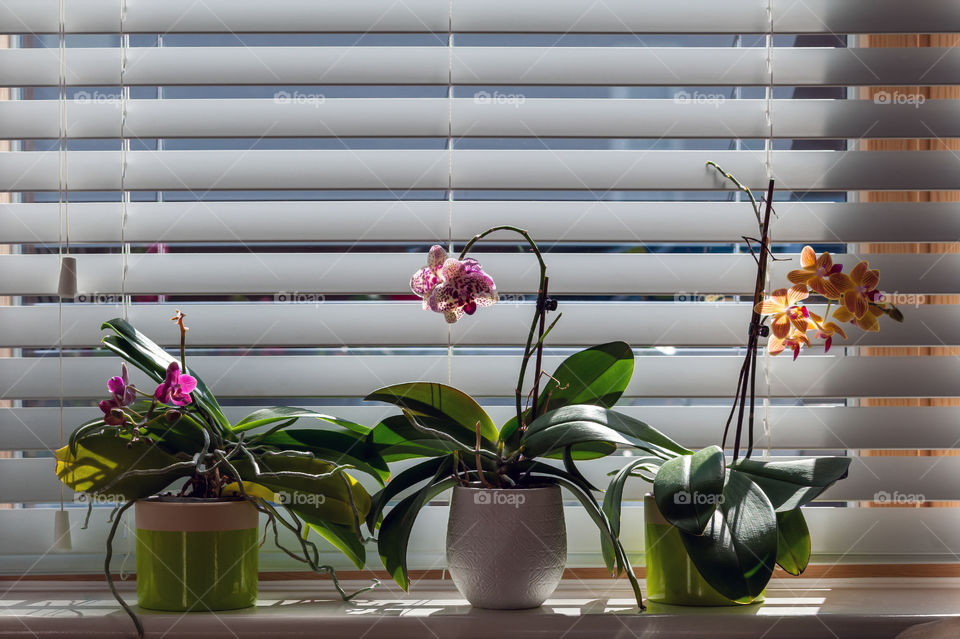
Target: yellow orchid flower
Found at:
782, 308
867, 323
826, 331
820, 274
794, 341
862, 290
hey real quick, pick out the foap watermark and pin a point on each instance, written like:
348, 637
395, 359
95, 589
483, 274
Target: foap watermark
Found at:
498, 498
511, 298
896, 497
97, 97
99, 499
298, 97
485, 97
684, 497
299, 297
99, 298
683, 297
685, 97
300, 499
898, 97
901, 299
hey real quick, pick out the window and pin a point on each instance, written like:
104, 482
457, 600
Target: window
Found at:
278, 171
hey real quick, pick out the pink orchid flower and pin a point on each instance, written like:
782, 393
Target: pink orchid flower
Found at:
428, 278
123, 393
464, 288
176, 388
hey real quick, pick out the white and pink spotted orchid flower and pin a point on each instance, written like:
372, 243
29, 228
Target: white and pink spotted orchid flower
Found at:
428, 278
453, 287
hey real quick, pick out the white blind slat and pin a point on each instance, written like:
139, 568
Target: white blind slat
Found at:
350, 273
308, 320
478, 169
549, 16
427, 222
791, 427
810, 378
415, 65
293, 115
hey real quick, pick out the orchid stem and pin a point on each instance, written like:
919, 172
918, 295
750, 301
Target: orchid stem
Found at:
541, 310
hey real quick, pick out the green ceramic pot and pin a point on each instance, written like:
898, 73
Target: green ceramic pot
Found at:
671, 576
196, 554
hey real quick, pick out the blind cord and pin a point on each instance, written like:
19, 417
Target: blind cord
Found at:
450, 171
66, 285
124, 148
768, 163
61, 166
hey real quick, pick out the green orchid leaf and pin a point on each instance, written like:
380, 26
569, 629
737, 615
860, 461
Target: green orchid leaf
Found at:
791, 484
583, 423
337, 447
395, 439
585, 452
266, 416
737, 551
343, 538
613, 502
435, 467
598, 375
395, 531
308, 484
99, 462
793, 541
443, 408
564, 434
593, 509
142, 352
688, 488
571, 468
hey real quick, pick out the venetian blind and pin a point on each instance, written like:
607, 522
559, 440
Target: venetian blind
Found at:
278, 170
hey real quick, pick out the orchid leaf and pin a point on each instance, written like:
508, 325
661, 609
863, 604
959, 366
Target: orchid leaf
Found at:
445, 408
793, 541
343, 538
606, 531
436, 467
308, 484
793, 483
688, 488
395, 439
98, 462
584, 423
613, 503
598, 375
336, 447
737, 551
395, 531
266, 416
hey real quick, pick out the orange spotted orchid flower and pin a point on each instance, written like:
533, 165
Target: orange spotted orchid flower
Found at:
820, 274
862, 289
794, 341
867, 323
784, 311
826, 331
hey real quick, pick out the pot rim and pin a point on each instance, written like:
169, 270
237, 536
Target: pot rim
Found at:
195, 515
172, 499
535, 487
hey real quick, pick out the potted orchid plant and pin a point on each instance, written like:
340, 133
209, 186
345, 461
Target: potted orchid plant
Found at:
506, 539
715, 530
199, 483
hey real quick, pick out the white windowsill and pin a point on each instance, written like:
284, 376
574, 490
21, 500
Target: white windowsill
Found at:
797, 608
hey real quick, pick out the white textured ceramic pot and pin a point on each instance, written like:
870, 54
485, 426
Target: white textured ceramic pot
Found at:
506, 548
